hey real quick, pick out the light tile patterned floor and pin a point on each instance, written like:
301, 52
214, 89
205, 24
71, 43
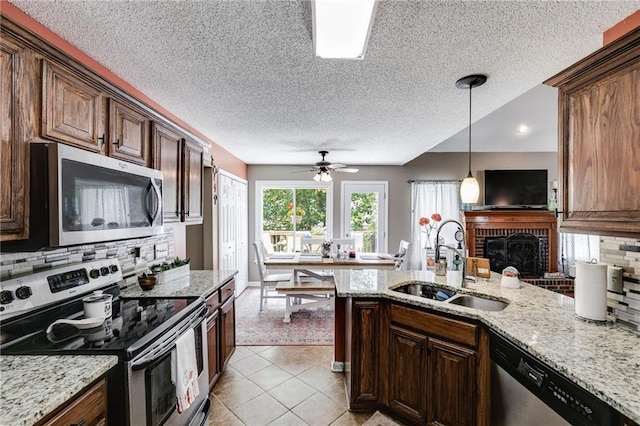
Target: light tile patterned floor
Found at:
282, 385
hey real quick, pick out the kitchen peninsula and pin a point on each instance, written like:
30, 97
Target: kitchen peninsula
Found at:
600, 358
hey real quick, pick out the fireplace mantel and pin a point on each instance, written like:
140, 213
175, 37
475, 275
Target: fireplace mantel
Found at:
489, 223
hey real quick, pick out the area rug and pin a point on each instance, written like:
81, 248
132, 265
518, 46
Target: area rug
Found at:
313, 326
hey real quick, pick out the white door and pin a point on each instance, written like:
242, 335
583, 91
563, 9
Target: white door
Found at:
233, 227
364, 215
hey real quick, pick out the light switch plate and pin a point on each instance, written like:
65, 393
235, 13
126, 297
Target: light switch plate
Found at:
161, 250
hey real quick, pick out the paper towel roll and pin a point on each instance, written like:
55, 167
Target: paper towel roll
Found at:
591, 291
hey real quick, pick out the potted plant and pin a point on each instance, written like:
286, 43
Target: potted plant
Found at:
169, 271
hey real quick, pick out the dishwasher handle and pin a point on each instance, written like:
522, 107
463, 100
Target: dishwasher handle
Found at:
531, 373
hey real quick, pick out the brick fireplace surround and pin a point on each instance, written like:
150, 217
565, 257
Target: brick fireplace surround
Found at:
502, 223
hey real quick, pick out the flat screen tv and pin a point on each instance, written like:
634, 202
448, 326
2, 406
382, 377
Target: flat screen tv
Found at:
515, 189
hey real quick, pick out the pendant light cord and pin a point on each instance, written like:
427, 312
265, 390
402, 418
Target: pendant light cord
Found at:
470, 129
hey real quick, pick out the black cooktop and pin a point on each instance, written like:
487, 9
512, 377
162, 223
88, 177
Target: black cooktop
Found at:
134, 323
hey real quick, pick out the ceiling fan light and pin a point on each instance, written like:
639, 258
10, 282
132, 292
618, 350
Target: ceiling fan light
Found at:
326, 177
317, 176
341, 27
469, 190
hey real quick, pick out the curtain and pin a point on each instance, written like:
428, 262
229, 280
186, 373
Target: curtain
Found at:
577, 247
427, 198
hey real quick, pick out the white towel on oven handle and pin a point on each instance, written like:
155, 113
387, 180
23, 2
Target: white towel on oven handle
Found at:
184, 370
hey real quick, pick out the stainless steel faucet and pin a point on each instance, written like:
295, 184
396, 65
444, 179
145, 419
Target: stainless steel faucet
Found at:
460, 252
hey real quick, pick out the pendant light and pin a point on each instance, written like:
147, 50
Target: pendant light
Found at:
469, 189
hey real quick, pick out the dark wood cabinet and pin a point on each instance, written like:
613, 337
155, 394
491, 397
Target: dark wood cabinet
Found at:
193, 169
419, 365
407, 376
72, 109
128, 134
227, 330
362, 378
88, 409
14, 150
451, 384
598, 140
182, 166
213, 347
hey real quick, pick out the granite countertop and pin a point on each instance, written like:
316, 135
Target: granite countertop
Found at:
197, 283
31, 387
600, 357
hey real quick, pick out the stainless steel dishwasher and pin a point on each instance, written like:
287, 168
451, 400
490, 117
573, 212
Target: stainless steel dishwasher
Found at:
527, 392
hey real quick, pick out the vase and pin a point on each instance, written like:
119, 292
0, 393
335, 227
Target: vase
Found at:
326, 252
430, 261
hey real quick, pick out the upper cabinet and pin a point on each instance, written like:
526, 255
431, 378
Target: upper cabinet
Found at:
181, 162
128, 134
599, 140
14, 150
72, 109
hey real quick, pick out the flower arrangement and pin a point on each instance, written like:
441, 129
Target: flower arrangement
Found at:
428, 226
326, 248
299, 211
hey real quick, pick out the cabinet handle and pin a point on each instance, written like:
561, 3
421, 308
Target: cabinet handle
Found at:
187, 213
117, 142
101, 139
80, 423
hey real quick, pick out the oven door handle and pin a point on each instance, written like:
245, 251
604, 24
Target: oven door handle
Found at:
164, 348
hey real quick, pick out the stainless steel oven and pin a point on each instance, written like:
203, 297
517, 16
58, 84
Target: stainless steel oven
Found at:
152, 395
38, 316
79, 197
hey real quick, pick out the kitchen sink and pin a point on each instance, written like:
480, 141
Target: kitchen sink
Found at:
426, 290
479, 303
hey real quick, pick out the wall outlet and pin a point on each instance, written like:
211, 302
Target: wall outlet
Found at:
161, 250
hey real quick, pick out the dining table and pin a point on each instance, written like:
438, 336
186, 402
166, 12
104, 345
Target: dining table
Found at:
312, 277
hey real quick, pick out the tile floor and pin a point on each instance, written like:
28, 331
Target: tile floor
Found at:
281, 385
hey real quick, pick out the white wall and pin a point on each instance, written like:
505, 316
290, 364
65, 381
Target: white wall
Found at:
429, 166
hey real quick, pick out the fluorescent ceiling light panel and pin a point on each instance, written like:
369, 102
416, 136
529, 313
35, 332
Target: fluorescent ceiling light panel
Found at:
341, 28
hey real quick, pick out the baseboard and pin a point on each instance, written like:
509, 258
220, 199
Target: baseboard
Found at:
337, 366
253, 283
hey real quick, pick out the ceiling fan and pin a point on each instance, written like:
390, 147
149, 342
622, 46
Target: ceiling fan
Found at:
324, 168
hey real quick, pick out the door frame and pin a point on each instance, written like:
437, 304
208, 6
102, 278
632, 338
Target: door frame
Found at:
383, 221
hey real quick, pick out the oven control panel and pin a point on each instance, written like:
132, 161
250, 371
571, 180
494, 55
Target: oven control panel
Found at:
24, 294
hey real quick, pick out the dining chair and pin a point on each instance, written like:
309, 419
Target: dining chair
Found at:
311, 245
345, 244
402, 256
268, 282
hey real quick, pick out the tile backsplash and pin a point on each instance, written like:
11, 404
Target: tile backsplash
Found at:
16, 264
624, 252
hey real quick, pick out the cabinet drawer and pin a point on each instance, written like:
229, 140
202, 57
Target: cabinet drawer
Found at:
213, 303
88, 410
434, 325
227, 290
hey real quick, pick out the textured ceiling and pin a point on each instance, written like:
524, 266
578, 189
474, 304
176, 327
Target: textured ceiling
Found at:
243, 72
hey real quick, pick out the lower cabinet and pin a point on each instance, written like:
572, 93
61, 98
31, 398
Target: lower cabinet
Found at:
429, 369
221, 332
88, 409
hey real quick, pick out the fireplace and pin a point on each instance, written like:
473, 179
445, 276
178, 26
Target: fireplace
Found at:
505, 231
525, 252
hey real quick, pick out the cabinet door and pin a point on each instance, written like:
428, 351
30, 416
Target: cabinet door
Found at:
193, 167
90, 409
14, 151
598, 134
128, 134
364, 375
407, 374
228, 330
167, 147
451, 384
72, 109
213, 348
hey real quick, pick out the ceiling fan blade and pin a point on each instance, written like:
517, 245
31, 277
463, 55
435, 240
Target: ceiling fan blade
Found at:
304, 171
349, 170
336, 166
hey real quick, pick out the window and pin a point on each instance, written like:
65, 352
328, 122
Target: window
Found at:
577, 247
289, 211
427, 198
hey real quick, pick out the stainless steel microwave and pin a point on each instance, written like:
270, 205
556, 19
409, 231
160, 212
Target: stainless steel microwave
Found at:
78, 197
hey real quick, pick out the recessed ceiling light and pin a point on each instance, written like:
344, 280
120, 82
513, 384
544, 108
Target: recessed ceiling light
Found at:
341, 27
523, 129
